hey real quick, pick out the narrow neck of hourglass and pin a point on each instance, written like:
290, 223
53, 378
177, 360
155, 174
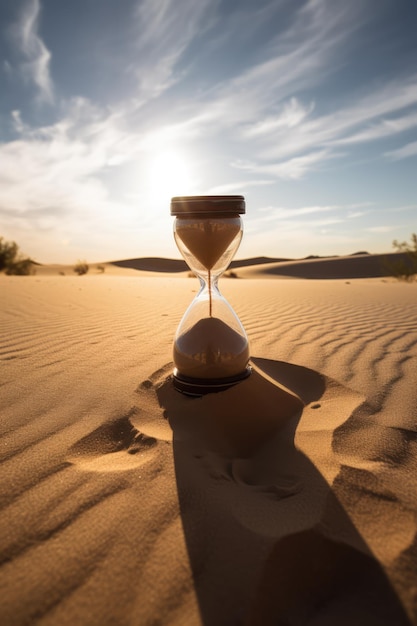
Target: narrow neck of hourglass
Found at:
209, 289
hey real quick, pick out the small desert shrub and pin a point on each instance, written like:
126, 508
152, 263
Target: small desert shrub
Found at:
8, 252
12, 261
21, 267
81, 268
101, 269
405, 268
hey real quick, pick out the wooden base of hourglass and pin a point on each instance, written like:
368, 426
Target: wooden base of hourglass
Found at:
197, 388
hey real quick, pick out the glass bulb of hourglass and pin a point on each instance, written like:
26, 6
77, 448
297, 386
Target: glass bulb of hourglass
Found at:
210, 345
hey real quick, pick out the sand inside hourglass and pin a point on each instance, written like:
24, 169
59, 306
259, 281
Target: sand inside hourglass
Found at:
210, 348
207, 239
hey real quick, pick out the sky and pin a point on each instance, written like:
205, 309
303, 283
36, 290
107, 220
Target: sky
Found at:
108, 108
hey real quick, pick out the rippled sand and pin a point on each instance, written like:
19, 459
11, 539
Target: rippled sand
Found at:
290, 498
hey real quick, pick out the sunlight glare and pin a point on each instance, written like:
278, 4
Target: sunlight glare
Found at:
169, 175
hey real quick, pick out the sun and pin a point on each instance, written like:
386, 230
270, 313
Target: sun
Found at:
169, 175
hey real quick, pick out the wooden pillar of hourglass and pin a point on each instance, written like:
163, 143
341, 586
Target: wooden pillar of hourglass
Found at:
211, 350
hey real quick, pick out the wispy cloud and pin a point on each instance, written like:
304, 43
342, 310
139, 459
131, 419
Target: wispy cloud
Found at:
341, 126
7, 68
53, 171
381, 129
283, 213
66, 169
166, 28
382, 229
261, 107
286, 224
238, 186
17, 122
401, 209
301, 56
290, 114
35, 68
409, 150
293, 168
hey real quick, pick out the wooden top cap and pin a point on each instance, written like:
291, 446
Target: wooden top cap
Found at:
187, 205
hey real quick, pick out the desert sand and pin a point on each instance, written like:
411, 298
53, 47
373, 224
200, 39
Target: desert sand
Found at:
287, 499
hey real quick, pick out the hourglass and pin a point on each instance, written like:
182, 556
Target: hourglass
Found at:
211, 350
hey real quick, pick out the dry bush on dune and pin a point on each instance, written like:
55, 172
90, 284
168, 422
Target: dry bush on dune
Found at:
81, 268
406, 267
12, 262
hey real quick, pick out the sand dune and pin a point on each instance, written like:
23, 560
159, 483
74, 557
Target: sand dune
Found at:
289, 498
348, 267
360, 265
157, 264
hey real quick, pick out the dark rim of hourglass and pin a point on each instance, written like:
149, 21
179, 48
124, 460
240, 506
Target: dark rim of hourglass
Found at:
183, 206
202, 386
219, 206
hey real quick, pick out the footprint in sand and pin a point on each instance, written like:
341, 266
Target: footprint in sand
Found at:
114, 446
234, 425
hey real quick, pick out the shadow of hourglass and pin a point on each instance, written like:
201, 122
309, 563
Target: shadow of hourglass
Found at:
268, 540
